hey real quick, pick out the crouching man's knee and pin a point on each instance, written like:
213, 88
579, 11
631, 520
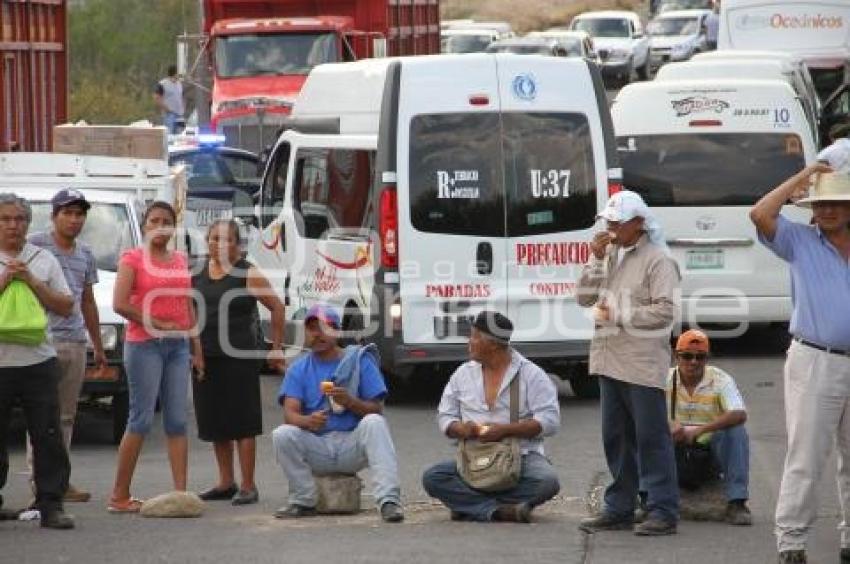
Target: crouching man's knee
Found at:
285, 436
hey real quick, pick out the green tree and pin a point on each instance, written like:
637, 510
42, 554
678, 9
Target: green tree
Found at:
118, 50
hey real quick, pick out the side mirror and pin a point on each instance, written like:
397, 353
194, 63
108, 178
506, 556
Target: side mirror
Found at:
243, 208
638, 35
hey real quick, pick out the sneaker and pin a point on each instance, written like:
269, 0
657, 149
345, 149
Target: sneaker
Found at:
391, 512
844, 555
56, 519
737, 513
75, 495
218, 494
246, 497
654, 527
513, 513
605, 522
295, 511
792, 557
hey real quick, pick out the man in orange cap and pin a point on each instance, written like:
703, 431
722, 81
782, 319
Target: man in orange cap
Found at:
707, 416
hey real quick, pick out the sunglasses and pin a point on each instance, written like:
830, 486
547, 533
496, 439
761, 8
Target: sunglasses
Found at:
692, 356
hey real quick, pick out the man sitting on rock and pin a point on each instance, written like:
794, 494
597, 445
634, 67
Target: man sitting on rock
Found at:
332, 404
707, 416
476, 405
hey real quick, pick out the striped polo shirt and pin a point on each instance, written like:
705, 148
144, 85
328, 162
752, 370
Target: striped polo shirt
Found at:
716, 394
80, 269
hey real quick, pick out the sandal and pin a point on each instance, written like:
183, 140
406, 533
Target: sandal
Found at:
129, 505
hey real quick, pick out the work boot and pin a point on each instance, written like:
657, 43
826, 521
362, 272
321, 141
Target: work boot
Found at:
56, 519
513, 513
737, 513
391, 512
75, 495
605, 522
655, 527
792, 557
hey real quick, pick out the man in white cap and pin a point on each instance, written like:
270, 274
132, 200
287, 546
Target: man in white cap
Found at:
817, 368
632, 284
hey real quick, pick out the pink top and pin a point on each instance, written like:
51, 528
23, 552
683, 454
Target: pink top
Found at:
172, 284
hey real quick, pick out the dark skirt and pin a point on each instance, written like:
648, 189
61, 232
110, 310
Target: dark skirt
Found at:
227, 402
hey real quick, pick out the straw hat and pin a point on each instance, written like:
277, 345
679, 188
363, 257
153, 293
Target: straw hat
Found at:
828, 187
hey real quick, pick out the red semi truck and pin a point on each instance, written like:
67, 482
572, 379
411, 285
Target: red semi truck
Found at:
261, 51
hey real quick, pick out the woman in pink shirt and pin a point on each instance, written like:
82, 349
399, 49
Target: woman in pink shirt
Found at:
152, 291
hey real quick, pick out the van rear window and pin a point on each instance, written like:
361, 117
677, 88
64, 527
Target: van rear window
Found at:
521, 174
710, 169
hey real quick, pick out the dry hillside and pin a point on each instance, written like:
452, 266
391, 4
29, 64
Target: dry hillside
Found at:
526, 15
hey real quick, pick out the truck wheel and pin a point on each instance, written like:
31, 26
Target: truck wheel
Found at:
585, 386
120, 412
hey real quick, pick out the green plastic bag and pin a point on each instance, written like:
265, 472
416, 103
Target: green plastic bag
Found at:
22, 319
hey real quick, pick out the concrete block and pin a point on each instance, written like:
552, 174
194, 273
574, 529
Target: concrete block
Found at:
338, 493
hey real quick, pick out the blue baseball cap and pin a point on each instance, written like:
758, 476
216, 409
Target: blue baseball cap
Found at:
324, 313
68, 196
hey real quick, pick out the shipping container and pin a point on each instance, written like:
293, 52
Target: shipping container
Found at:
33, 72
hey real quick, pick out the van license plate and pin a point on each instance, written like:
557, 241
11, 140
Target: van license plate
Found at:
704, 260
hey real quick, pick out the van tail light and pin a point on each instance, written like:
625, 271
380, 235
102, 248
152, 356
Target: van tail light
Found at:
388, 226
705, 123
615, 181
479, 100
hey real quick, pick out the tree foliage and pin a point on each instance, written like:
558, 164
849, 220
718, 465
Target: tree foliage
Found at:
118, 50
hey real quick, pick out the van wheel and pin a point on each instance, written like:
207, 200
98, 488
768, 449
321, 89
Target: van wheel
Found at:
352, 327
643, 71
120, 412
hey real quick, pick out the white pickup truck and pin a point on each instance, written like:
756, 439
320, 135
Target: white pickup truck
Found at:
620, 42
118, 189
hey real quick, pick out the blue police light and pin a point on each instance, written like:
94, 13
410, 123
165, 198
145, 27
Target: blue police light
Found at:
210, 139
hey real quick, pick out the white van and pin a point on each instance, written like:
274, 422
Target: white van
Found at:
702, 153
414, 192
760, 69
817, 31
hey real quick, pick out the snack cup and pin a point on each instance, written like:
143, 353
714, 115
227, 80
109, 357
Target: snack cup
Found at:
326, 386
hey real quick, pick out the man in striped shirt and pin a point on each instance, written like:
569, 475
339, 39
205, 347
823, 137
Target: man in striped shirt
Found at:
708, 412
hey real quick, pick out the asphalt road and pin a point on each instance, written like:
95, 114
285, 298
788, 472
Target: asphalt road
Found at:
251, 535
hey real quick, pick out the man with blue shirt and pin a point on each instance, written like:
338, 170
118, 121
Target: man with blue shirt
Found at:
817, 369
338, 429
70, 209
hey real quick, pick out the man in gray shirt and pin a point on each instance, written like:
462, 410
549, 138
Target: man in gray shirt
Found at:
476, 405
169, 99
69, 333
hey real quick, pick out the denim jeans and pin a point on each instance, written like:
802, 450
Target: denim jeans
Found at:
301, 454
731, 450
638, 449
174, 123
538, 484
35, 386
158, 368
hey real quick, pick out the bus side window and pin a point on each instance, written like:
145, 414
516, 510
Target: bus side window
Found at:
274, 185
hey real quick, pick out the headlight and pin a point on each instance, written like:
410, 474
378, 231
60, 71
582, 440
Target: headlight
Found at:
109, 337
680, 50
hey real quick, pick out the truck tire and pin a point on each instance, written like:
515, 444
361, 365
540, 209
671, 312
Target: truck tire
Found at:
643, 71
120, 413
585, 386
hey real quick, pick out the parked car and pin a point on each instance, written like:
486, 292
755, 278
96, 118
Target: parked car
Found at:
577, 43
459, 41
677, 36
676, 5
620, 41
528, 46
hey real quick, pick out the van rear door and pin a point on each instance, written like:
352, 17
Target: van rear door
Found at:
452, 247
552, 171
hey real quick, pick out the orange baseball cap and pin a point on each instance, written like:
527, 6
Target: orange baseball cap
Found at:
693, 339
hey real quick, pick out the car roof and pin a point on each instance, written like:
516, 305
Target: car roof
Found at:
468, 31
556, 33
682, 14
188, 149
529, 41
609, 14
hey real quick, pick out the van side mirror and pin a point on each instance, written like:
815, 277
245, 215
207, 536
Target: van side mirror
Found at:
243, 208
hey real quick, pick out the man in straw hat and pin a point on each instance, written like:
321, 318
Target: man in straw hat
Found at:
817, 369
632, 284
